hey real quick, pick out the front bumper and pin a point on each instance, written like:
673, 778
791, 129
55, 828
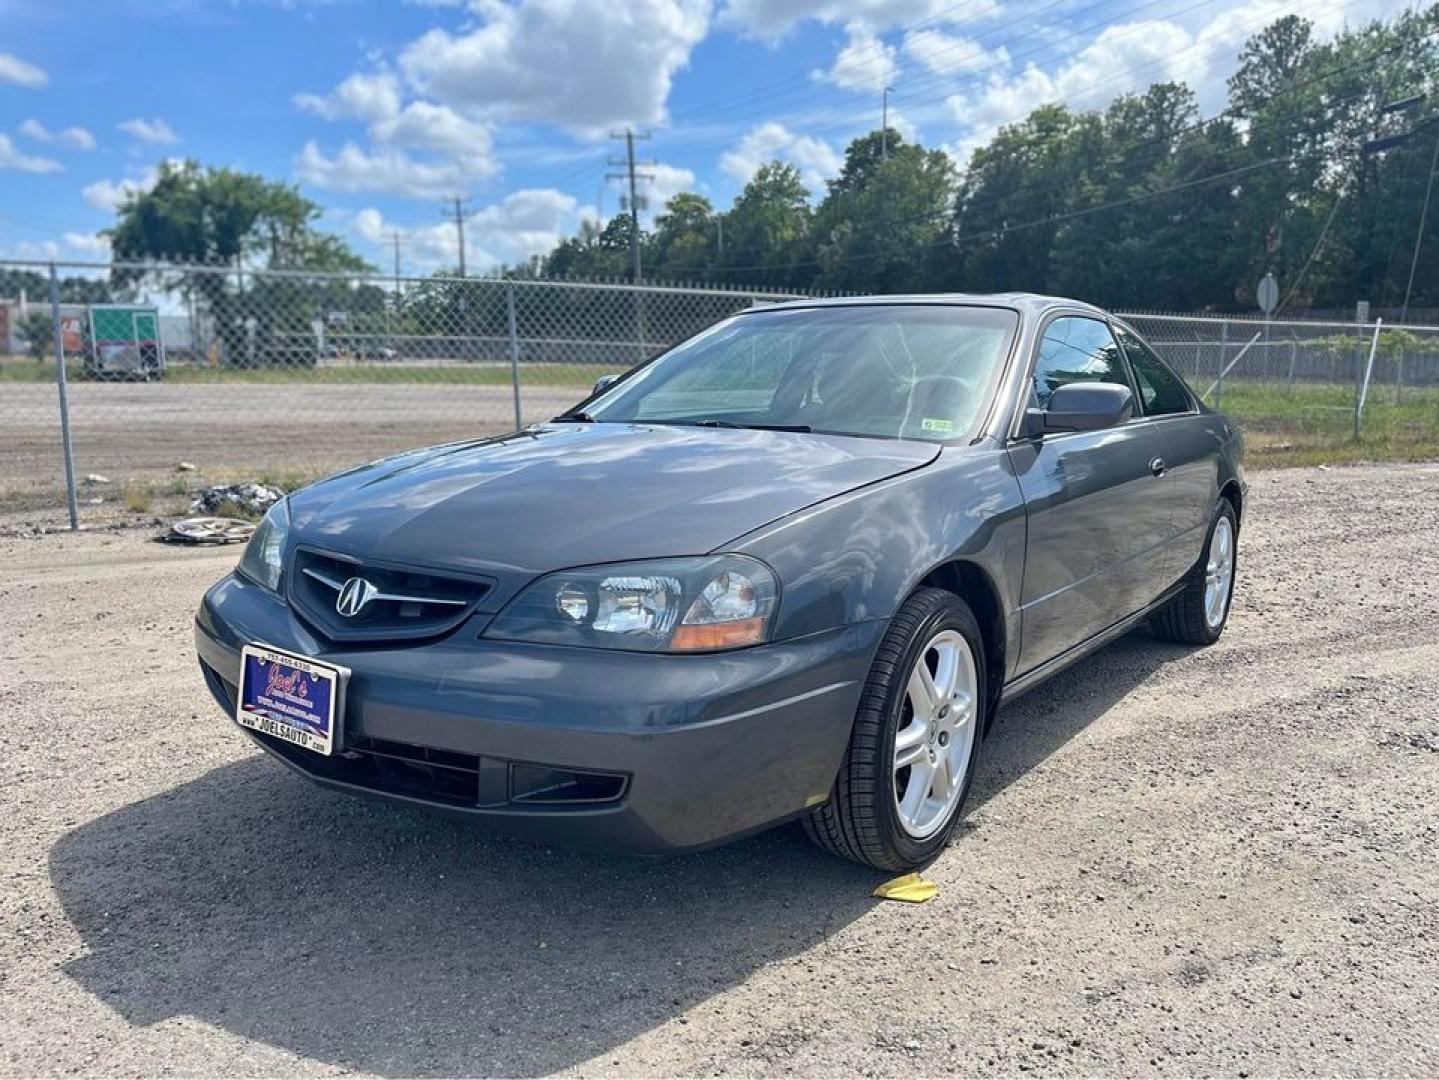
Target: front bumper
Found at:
709, 747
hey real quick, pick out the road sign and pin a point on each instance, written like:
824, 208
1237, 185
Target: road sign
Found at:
1267, 294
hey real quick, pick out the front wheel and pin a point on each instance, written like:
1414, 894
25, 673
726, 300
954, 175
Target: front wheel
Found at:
912, 751
1198, 613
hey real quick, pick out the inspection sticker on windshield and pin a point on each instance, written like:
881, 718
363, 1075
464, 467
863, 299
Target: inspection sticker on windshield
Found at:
289, 697
929, 423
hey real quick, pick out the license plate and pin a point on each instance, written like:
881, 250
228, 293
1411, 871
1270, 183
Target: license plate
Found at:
289, 697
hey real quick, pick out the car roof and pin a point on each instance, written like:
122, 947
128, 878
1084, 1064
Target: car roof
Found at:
1025, 303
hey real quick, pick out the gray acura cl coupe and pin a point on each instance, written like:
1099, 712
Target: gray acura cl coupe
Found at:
790, 568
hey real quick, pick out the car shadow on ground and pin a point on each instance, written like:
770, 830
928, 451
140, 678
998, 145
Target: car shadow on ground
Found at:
399, 942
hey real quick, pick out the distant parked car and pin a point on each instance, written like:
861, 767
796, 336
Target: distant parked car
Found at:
790, 568
374, 351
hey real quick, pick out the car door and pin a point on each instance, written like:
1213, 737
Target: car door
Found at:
1097, 532
1186, 442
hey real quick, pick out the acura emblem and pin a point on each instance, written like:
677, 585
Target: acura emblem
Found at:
354, 595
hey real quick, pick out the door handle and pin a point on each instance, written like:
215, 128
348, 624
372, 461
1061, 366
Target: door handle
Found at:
1157, 466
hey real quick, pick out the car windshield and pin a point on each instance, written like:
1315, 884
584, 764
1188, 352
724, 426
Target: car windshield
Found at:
898, 371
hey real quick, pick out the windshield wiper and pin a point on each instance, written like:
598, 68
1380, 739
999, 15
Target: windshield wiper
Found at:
580, 417
805, 428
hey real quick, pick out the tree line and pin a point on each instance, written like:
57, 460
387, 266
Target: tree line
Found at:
1144, 203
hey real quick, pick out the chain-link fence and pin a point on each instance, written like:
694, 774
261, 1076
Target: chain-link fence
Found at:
1301, 389
282, 376
181, 374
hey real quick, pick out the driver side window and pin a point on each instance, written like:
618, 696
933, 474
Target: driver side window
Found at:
1076, 349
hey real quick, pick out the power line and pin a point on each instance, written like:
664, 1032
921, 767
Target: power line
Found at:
1049, 219
1117, 157
1419, 232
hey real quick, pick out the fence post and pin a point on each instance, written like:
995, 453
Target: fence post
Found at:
70, 497
1364, 386
514, 350
1223, 356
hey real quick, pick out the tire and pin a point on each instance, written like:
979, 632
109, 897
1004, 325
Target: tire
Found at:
863, 820
1186, 619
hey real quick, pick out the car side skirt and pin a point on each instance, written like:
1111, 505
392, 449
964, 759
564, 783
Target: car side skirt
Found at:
1030, 679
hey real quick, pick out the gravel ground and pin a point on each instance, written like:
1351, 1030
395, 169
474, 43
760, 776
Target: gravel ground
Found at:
1216, 862
137, 432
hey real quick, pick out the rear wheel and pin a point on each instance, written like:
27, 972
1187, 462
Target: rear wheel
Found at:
1198, 614
915, 740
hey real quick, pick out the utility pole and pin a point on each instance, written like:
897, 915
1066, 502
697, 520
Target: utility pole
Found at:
636, 201
460, 206
884, 124
395, 239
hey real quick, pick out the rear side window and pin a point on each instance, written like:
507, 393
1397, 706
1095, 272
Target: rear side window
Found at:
1159, 388
1076, 349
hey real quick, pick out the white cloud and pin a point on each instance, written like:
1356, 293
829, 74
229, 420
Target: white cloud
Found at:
1122, 59
865, 63
77, 138
952, 54
1129, 57
815, 159
109, 194
89, 243
21, 73
387, 170
772, 19
370, 96
582, 64
520, 226
464, 147
11, 158
153, 130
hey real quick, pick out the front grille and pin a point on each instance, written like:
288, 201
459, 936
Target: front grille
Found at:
450, 778
398, 604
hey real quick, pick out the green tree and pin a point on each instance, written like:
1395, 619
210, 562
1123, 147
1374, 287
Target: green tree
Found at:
881, 225
683, 242
767, 229
38, 330
226, 218
1028, 173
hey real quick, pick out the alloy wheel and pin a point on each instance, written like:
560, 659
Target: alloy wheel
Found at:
935, 735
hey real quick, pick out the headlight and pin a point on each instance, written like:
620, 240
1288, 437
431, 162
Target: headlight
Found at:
663, 605
263, 561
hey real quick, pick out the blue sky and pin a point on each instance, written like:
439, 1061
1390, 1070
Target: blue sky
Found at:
379, 109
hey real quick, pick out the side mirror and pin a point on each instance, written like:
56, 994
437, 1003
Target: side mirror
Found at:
602, 383
1081, 406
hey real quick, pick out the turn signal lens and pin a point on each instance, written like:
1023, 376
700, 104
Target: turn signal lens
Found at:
726, 635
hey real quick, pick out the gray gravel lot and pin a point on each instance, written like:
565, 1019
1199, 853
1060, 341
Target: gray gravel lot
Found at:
138, 431
1175, 862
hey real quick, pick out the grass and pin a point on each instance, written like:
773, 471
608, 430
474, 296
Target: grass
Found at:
497, 373
1313, 423
139, 499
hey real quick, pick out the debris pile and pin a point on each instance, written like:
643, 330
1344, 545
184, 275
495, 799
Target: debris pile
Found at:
251, 498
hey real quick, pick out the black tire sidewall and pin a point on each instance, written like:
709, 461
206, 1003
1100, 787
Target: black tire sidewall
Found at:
1223, 509
950, 614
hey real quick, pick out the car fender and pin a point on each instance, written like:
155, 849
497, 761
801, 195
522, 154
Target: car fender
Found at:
856, 557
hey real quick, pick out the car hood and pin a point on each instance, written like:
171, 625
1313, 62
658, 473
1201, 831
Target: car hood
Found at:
563, 495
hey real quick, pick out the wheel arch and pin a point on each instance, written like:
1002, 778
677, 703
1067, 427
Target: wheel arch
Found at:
1235, 494
973, 584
